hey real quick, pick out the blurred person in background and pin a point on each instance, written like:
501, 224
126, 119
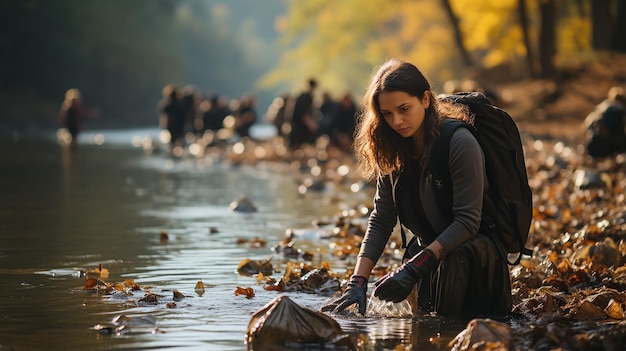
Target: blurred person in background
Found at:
604, 126
303, 123
72, 113
172, 115
344, 122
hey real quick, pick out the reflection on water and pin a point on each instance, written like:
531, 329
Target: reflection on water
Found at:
64, 212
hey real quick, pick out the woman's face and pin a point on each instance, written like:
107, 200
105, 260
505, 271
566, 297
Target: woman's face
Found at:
404, 113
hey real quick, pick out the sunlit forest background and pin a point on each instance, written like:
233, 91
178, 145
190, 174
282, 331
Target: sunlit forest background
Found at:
121, 53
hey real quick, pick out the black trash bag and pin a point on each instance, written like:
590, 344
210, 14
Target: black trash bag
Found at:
282, 324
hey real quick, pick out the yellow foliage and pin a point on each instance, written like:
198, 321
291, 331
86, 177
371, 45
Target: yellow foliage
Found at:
491, 27
574, 35
333, 41
340, 42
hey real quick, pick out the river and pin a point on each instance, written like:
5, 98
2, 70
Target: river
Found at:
64, 212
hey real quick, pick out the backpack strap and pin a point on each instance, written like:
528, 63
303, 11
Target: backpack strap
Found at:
439, 163
439, 175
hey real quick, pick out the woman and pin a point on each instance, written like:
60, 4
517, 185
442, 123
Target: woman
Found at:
72, 112
459, 270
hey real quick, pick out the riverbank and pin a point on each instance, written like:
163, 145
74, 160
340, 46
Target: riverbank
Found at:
572, 292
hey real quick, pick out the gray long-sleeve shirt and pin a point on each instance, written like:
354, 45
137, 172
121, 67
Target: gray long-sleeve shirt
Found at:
469, 185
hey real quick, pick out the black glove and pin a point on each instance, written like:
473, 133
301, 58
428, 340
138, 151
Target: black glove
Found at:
397, 285
355, 293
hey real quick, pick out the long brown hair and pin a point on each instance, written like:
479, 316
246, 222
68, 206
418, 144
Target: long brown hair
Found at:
379, 149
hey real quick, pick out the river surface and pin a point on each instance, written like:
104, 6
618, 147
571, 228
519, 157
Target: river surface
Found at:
64, 212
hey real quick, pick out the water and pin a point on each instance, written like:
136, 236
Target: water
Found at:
63, 212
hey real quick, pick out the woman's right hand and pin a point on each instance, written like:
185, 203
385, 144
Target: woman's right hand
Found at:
355, 293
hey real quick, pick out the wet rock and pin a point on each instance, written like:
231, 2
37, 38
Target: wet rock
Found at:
243, 204
123, 324
178, 295
482, 334
282, 323
149, 299
316, 281
252, 267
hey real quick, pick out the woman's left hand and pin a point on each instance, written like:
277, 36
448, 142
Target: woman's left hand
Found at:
397, 285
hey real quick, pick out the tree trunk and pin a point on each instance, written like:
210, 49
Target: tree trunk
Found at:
601, 21
547, 37
523, 19
458, 37
618, 34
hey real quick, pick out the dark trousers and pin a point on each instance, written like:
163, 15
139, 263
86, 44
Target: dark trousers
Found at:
471, 281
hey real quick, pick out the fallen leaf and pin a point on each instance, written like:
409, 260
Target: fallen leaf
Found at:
248, 292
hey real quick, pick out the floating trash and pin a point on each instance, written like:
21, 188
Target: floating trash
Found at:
283, 323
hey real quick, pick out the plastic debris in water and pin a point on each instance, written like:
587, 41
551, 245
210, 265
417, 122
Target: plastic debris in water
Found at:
283, 323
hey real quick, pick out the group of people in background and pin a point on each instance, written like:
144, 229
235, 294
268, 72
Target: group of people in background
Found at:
185, 110
303, 118
300, 119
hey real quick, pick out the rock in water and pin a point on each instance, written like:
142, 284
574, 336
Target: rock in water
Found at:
483, 334
282, 323
242, 205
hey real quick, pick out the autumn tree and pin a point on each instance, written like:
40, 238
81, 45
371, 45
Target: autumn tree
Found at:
458, 36
547, 37
522, 13
326, 39
445, 38
608, 20
601, 20
618, 39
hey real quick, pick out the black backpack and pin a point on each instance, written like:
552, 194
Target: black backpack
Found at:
507, 209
